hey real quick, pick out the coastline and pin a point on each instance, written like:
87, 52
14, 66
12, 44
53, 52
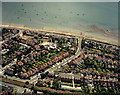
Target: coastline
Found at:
51, 31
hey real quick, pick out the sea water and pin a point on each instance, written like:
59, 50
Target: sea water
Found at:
95, 19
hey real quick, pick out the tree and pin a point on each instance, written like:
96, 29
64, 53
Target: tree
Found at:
26, 82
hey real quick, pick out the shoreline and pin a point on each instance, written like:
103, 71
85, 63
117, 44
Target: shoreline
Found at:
51, 31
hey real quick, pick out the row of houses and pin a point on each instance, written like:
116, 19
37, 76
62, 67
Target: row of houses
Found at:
28, 41
67, 77
99, 59
25, 59
14, 49
113, 49
45, 40
29, 57
12, 56
100, 44
10, 43
42, 66
9, 58
79, 60
43, 34
51, 36
99, 53
7, 32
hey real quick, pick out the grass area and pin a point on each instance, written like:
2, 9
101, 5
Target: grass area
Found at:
69, 84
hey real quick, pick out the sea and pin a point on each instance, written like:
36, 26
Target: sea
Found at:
92, 19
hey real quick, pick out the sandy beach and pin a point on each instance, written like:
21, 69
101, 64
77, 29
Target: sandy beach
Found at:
66, 33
